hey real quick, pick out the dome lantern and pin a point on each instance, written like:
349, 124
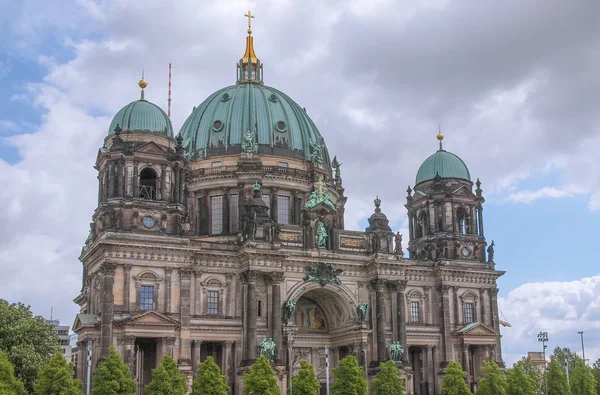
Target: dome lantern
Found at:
249, 67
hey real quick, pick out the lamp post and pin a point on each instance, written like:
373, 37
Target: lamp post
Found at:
566, 354
582, 348
543, 338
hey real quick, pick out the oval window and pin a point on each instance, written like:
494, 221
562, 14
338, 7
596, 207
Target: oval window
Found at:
217, 125
273, 98
148, 221
281, 126
225, 97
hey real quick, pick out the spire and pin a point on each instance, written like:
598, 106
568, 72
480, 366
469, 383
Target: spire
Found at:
142, 84
249, 67
440, 137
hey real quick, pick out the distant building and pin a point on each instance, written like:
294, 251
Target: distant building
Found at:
74, 359
538, 358
64, 340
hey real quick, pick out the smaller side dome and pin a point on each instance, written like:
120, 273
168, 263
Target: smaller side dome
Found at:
444, 163
142, 116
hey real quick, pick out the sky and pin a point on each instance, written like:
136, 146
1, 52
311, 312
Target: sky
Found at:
513, 85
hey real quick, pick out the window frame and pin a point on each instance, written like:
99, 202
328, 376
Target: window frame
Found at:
413, 304
280, 206
469, 297
215, 217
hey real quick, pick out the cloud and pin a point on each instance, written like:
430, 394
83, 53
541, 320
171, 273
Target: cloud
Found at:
7, 126
560, 308
547, 192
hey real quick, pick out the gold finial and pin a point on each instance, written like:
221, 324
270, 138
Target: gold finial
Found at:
249, 16
440, 137
142, 84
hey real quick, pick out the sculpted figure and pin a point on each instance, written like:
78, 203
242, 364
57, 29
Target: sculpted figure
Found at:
322, 236
361, 311
289, 307
490, 251
398, 243
396, 351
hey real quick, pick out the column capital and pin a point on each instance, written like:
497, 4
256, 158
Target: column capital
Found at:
229, 276
400, 285
108, 269
228, 343
378, 284
185, 273
168, 271
443, 289
197, 343
126, 340
276, 277
127, 267
249, 276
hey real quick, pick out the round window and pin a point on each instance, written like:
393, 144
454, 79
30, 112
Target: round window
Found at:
217, 125
225, 97
281, 126
273, 97
148, 221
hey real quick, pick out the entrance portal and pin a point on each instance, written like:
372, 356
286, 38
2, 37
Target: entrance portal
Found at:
145, 361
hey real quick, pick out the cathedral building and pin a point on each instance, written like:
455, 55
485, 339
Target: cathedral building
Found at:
227, 239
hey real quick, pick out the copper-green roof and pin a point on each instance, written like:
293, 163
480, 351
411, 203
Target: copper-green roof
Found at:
281, 127
142, 115
444, 163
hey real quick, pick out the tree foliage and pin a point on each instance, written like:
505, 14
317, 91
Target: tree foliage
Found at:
492, 381
596, 371
28, 341
113, 377
533, 371
518, 382
261, 379
557, 379
349, 378
454, 380
56, 378
167, 379
583, 381
388, 380
9, 384
305, 382
209, 380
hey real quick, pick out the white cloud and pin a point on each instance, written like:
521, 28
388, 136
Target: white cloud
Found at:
546, 192
7, 126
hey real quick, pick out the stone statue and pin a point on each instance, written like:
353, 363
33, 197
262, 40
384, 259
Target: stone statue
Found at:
289, 307
396, 351
336, 166
439, 251
361, 312
322, 236
398, 243
490, 251
249, 144
267, 348
316, 152
323, 274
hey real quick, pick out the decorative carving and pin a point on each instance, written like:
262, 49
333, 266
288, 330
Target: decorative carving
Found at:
276, 277
396, 351
443, 289
249, 144
398, 244
108, 269
378, 284
352, 243
168, 271
267, 348
249, 276
322, 236
185, 273
293, 237
318, 196
490, 251
361, 312
316, 152
289, 307
400, 285
323, 274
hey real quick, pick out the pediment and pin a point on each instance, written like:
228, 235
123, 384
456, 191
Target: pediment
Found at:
477, 329
462, 191
150, 318
82, 320
151, 148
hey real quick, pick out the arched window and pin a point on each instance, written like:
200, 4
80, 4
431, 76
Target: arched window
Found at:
421, 228
147, 184
463, 220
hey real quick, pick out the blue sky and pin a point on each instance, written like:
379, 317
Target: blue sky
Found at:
516, 96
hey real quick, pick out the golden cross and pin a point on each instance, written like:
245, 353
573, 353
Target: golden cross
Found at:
320, 185
250, 16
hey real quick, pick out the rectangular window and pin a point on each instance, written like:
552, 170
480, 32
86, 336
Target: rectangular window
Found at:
233, 213
212, 302
216, 215
282, 164
216, 164
259, 308
469, 318
267, 199
283, 209
414, 311
146, 297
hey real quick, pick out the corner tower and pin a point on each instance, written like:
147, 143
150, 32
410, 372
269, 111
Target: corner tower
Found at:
445, 216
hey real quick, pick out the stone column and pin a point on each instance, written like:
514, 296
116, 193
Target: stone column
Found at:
126, 343
127, 287
465, 363
480, 218
496, 324
198, 302
111, 179
196, 354
164, 193
105, 183
276, 310
417, 363
400, 287
430, 371
176, 177
135, 182
273, 211
250, 277
227, 359
226, 212
379, 286
457, 321
185, 275
181, 185
444, 291
168, 274
108, 271
481, 304
81, 360
230, 294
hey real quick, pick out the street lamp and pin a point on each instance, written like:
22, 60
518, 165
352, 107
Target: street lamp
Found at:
566, 354
582, 348
543, 337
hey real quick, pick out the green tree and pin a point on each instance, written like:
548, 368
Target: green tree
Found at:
492, 382
596, 371
349, 378
29, 342
583, 381
454, 380
56, 378
518, 381
209, 380
113, 377
564, 356
557, 379
261, 379
388, 380
533, 371
305, 382
167, 379
9, 384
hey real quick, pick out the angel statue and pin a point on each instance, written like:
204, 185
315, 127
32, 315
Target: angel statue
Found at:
396, 351
361, 311
288, 309
267, 348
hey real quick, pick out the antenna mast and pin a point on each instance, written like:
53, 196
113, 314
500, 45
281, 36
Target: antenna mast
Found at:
169, 99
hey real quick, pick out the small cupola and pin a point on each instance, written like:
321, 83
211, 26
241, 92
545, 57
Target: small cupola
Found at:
249, 67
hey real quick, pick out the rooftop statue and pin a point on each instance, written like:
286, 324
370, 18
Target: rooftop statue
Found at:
490, 251
322, 236
318, 196
249, 144
316, 151
361, 312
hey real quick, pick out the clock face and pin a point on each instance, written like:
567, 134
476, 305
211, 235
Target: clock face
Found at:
465, 251
148, 221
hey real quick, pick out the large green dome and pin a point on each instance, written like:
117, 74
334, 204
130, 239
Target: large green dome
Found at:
280, 125
444, 163
141, 115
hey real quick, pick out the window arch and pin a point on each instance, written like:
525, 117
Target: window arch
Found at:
147, 284
421, 226
469, 307
213, 296
415, 301
148, 184
462, 214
